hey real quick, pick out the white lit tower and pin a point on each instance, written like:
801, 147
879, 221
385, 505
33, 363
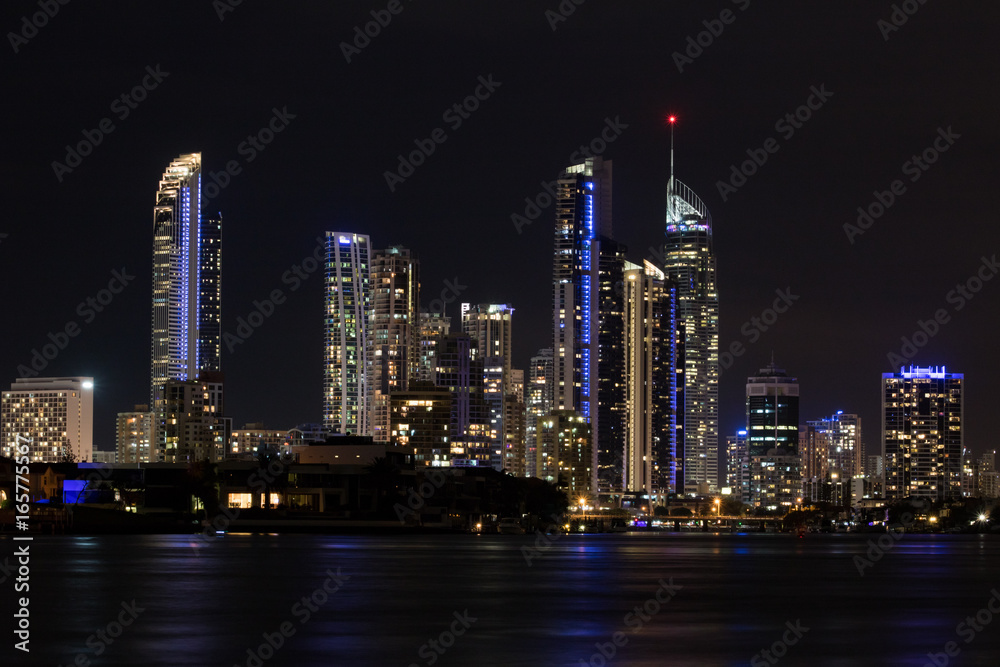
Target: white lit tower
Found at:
689, 263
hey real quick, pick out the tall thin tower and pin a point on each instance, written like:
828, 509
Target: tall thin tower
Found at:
348, 305
187, 254
689, 262
583, 212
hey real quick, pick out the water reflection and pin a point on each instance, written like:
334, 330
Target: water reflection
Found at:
216, 603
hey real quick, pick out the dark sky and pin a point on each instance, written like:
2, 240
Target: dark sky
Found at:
782, 229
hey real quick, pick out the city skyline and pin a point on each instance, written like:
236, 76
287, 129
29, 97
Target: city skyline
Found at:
849, 307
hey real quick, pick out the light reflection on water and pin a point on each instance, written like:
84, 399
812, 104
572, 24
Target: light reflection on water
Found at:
208, 600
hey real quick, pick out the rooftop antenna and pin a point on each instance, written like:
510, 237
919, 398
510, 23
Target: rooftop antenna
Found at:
670, 185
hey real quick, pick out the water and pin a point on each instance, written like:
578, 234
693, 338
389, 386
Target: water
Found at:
208, 602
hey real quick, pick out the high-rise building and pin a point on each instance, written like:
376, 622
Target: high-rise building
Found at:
489, 325
689, 263
459, 369
187, 279
52, 417
814, 461
583, 212
346, 396
433, 327
538, 404
210, 293
564, 452
394, 338
134, 435
192, 425
922, 435
843, 443
773, 439
875, 475
738, 466
514, 444
649, 463
611, 392
420, 422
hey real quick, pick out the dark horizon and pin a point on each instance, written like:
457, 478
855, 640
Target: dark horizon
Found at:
875, 98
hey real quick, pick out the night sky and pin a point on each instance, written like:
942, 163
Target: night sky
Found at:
887, 95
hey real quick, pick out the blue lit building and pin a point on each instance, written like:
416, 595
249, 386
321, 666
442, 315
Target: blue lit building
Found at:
583, 212
689, 263
187, 278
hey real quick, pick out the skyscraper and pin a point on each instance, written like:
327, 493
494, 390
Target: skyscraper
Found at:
842, 434
773, 438
489, 325
738, 466
346, 407
459, 369
611, 390
583, 211
394, 339
689, 262
187, 273
648, 382
433, 327
922, 435
186, 278
539, 404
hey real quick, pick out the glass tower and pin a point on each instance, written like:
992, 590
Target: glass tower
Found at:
187, 281
348, 304
689, 263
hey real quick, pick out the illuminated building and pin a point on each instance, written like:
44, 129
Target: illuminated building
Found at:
648, 377
420, 423
134, 435
564, 452
773, 439
245, 442
689, 263
843, 442
738, 466
346, 396
582, 212
922, 436
394, 338
459, 369
54, 417
489, 325
187, 281
191, 425
538, 404
611, 380
433, 327
514, 435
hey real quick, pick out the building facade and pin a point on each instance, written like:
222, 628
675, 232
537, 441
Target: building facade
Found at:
187, 286
583, 212
564, 453
538, 404
773, 439
346, 396
394, 348
48, 419
689, 263
922, 435
134, 435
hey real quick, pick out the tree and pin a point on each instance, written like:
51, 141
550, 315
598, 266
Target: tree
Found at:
732, 506
384, 476
202, 481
